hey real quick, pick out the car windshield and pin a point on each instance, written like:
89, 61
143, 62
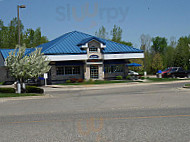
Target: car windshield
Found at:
174, 69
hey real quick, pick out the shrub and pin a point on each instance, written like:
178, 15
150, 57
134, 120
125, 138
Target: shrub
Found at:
1, 83
68, 81
142, 78
7, 90
119, 77
80, 80
129, 77
141, 73
34, 89
90, 81
73, 80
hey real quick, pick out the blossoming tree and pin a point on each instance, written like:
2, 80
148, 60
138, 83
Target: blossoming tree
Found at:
23, 65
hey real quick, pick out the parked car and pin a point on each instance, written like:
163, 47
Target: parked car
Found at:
176, 72
165, 72
133, 73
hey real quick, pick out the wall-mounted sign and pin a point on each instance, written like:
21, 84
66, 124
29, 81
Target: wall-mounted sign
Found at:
94, 57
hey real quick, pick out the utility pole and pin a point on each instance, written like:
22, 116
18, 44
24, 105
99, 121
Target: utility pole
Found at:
18, 8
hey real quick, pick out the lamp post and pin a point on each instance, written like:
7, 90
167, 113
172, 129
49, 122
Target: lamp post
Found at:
18, 7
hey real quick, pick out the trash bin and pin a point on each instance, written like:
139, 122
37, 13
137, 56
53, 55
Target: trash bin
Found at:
159, 74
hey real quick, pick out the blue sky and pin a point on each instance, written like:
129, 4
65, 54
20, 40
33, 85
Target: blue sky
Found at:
165, 18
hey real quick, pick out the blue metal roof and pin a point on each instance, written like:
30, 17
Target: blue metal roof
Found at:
69, 44
5, 52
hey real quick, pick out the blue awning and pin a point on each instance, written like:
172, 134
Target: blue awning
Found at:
133, 65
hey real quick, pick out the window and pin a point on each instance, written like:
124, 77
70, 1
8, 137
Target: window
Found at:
76, 70
93, 49
60, 70
113, 68
68, 70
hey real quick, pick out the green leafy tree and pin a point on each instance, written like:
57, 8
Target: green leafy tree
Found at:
157, 62
159, 44
1, 24
182, 53
28, 37
116, 33
126, 43
9, 35
169, 56
101, 33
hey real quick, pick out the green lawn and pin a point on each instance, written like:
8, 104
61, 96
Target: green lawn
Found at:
162, 79
2, 95
187, 85
122, 81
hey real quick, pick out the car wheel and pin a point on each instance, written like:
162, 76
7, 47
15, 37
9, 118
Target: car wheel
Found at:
188, 76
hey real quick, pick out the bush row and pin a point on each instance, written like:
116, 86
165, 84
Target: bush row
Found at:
34, 89
7, 90
29, 89
74, 80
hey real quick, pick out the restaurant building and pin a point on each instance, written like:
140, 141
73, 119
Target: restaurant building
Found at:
82, 56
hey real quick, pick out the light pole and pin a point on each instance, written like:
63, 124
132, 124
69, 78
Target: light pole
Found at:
18, 7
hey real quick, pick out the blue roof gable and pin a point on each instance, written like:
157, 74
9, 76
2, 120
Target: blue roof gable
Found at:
84, 41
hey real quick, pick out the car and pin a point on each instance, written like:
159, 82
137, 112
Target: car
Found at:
174, 72
133, 73
165, 72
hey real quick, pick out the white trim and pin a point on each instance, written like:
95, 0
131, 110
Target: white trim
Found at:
94, 63
102, 46
67, 57
123, 56
85, 46
84, 56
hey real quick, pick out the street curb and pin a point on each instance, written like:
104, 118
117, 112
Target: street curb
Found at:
107, 86
187, 87
5, 99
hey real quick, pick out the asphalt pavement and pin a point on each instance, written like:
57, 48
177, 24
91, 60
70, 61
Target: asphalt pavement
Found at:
131, 113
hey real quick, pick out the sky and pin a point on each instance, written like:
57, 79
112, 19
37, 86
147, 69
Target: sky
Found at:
165, 18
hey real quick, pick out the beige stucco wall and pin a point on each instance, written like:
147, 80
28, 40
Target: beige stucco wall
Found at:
95, 44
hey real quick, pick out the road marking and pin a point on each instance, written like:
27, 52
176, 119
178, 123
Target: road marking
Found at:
114, 118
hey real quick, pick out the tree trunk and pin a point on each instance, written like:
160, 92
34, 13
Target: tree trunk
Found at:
18, 88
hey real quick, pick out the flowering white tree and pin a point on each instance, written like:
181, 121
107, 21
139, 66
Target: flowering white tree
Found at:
23, 67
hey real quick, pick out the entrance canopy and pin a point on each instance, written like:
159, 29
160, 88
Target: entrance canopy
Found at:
133, 65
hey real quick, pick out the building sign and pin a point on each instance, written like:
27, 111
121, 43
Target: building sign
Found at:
94, 57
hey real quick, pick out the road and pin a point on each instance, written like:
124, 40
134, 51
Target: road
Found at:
131, 113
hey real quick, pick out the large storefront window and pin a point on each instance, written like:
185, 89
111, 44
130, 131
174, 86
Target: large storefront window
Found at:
68, 70
113, 68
